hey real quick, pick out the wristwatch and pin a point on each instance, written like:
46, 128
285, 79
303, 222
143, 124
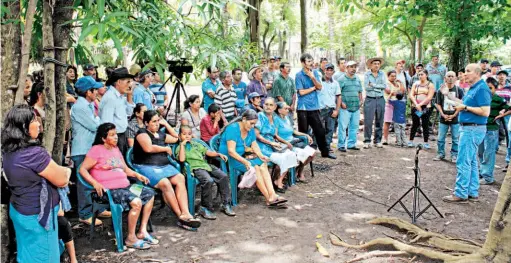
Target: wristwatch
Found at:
465, 108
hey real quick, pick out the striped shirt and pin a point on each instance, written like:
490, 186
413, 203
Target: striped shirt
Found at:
226, 99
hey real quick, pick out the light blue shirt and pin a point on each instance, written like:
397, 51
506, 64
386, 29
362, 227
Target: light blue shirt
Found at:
143, 95
208, 85
338, 75
115, 108
379, 83
436, 74
84, 126
328, 94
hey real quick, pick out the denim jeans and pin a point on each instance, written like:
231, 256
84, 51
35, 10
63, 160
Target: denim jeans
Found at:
487, 153
84, 200
508, 141
328, 123
442, 134
374, 111
467, 179
348, 120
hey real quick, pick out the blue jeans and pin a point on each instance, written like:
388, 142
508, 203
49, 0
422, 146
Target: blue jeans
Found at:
329, 124
467, 179
506, 124
442, 134
348, 120
487, 153
84, 199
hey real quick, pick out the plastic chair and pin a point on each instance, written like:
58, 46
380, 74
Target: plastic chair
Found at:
116, 210
214, 144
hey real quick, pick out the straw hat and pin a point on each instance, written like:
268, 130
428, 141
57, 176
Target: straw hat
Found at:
371, 60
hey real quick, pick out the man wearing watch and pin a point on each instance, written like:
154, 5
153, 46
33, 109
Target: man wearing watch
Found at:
473, 117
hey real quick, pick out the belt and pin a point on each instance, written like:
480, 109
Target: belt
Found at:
379, 97
471, 124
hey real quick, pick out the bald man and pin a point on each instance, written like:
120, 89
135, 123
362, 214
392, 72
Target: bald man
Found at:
474, 112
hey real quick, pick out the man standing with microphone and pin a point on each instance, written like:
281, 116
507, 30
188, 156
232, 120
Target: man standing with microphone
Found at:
475, 110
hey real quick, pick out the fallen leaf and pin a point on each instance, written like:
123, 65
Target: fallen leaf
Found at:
322, 250
406, 159
319, 236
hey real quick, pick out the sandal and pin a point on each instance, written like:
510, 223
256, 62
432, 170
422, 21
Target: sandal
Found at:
302, 181
190, 222
88, 221
105, 214
278, 206
140, 244
151, 240
277, 202
179, 224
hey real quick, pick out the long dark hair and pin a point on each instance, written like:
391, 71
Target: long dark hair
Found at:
492, 81
37, 88
136, 110
249, 115
190, 100
76, 73
15, 134
148, 115
102, 133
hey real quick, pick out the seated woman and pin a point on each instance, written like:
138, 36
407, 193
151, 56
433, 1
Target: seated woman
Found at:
136, 123
193, 115
267, 138
238, 141
151, 158
104, 168
285, 131
33, 181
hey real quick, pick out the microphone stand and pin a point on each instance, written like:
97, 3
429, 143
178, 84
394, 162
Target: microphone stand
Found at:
416, 211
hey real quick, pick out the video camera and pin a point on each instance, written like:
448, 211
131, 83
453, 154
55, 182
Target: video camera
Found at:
179, 67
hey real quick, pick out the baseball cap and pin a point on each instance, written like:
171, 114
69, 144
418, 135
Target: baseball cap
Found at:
330, 65
503, 72
84, 84
351, 63
89, 66
495, 64
145, 72
253, 95
483, 60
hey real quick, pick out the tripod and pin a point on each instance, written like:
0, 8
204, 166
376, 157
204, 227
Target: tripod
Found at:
416, 190
177, 95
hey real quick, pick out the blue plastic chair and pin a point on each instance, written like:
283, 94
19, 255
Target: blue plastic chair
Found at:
116, 210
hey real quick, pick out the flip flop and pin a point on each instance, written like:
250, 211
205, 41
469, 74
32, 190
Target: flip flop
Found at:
301, 181
151, 240
140, 244
277, 202
278, 206
179, 224
191, 222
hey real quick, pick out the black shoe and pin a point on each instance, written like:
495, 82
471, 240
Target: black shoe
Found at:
505, 169
330, 156
354, 148
280, 190
342, 149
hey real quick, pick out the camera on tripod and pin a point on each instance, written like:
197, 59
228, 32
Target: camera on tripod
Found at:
179, 67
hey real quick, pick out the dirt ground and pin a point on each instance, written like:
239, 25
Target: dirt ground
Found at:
342, 196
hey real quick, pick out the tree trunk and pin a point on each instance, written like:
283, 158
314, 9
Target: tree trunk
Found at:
10, 56
421, 32
331, 23
253, 21
49, 77
303, 26
25, 50
61, 35
283, 35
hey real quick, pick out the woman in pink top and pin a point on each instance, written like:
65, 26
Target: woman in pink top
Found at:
104, 168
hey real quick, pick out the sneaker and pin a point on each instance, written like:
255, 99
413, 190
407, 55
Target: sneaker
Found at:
366, 145
385, 142
204, 212
330, 156
454, 199
410, 145
355, 148
474, 199
342, 149
484, 182
426, 146
439, 158
454, 159
227, 209
379, 145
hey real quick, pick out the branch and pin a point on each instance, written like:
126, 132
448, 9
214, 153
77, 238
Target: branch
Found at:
271, 40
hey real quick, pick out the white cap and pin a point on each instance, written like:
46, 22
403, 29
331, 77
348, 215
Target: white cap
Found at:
351, 63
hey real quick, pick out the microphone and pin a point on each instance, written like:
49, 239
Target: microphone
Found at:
419, 147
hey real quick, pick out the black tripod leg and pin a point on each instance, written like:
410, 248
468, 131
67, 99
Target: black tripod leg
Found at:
399, 200
431, 203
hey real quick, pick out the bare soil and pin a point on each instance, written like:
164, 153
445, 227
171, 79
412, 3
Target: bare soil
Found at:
342, 196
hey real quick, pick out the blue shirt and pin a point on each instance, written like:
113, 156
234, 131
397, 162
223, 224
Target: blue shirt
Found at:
159, 93
328, 94
479, 95
232, 133
84, 126
436, 74
241, 93
284, 128
379, 83
143, 95
115, 108
267, 130
309, 102
208, 85
399, 112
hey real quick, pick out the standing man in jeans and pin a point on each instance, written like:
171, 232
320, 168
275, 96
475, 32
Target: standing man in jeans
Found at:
84, 125
329, 102
308, 83
475, 110
448, 116
349, 115
375, 83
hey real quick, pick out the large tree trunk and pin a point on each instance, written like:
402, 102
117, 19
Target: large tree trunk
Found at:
10, 56
49, 76
61, 35
25, 50
303, 25
283, 35
253, 21
420, 39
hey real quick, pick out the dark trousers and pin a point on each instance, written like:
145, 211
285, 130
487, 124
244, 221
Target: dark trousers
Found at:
207, 179
420, 121
65, 231
313, 119
329, 123
122, 143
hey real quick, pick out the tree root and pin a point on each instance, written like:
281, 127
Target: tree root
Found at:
378, 253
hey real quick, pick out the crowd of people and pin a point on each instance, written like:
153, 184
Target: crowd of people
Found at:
255, 126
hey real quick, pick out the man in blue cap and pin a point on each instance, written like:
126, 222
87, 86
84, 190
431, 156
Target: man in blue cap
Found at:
84, 125
90, 70
254, 102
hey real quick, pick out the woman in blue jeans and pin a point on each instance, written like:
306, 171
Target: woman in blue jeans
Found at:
33, 179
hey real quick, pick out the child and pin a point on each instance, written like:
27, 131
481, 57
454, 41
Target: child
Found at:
399, 119
209, 125
195, 154
66, 235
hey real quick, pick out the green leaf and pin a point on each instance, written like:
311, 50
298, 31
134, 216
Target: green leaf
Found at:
101, 8
85, 33
117, 44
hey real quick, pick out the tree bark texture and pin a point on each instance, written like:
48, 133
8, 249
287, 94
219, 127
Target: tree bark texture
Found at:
61, 34
10, 56
253, 21
49, 77
25, 50
303, 25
